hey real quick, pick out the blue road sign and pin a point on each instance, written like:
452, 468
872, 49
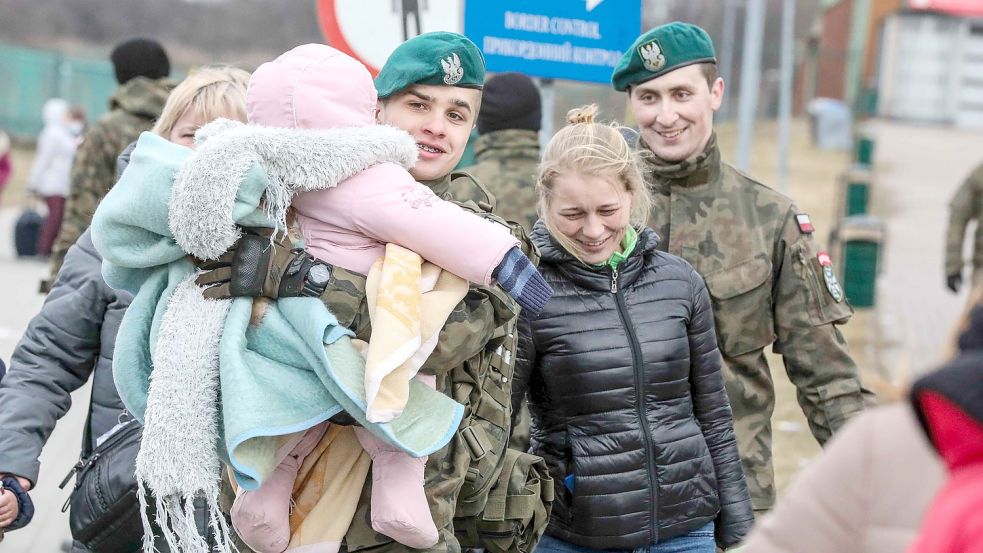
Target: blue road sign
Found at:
579, 40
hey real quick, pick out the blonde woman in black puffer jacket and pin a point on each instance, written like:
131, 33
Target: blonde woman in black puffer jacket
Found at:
622, 368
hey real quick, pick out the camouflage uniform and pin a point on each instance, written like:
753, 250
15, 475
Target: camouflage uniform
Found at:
966, 205
767, 288
473, 334
132, 110
507, 165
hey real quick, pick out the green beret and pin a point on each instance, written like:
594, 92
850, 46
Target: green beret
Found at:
438, 58
661, 50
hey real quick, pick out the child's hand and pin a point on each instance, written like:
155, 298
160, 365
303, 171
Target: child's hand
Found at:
520, 279
16, 507
8, 507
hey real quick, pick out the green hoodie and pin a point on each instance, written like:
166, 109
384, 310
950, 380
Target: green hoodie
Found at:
627, 246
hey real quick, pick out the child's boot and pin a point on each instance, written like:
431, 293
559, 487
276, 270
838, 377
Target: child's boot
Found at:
262, 517
399, 505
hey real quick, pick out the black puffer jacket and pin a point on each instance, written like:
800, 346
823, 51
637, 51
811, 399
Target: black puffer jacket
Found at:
626, 394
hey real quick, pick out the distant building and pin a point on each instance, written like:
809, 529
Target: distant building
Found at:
823, 69
931, 66
918, 60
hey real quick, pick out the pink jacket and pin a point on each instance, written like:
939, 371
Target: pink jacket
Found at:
317, 87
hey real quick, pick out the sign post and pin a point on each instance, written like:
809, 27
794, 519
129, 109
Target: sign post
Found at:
579, 40
370, 31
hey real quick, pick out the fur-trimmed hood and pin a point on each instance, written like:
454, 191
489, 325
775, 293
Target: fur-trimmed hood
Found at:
292, 160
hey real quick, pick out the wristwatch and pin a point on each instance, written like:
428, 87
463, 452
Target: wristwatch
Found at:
317, 280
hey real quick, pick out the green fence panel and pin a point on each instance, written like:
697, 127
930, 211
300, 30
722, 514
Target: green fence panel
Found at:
860, 271
29, 77
857, 198
87, 83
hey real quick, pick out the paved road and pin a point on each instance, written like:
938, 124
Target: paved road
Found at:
19, 302
918, 170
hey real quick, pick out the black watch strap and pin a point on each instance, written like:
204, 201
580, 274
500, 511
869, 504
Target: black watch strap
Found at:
314, 289
293, 279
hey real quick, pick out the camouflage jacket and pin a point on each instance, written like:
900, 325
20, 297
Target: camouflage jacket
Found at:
769, 286
132, 110
507, 165
479, 328
966, 205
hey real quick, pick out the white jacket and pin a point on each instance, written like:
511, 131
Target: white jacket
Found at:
51, 173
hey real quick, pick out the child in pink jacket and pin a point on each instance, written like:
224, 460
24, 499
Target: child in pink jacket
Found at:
317, 87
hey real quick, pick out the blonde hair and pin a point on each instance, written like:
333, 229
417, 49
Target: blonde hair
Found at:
213, 91
595, 149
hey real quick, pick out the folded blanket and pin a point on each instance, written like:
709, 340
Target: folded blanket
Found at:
326, 491
409, 302
206, 384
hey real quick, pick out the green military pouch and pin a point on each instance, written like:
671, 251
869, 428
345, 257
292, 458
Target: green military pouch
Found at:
516, 511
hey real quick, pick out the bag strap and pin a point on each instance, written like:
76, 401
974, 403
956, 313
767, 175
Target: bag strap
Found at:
490, 200
497, 503
87, 430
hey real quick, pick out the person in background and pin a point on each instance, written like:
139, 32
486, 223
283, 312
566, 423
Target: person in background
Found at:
49, 177
966, 205
507, 149
622, 368
141, 67
5, 165
770, 282
77, 121
72, 339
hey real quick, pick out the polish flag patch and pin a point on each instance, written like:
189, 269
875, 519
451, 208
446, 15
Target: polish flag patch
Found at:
805, 223
824, 259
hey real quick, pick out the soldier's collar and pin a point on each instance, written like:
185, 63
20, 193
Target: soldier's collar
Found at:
697, 170
441, 187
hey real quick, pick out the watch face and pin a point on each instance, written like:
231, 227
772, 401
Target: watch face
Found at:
319, 274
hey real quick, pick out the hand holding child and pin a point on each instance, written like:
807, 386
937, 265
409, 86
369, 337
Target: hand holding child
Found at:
8, 507
16, 508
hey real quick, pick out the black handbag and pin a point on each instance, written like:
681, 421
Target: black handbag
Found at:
105, 507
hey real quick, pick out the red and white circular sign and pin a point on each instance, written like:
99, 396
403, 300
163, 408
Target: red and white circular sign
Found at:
369, 30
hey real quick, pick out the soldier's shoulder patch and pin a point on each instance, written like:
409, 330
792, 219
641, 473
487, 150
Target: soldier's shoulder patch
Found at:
805, 224
832, 284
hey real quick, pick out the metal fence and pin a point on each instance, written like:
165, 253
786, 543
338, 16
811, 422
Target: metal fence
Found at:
29, 77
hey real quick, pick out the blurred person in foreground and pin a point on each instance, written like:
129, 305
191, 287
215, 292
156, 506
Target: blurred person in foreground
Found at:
966, 205
949, 404
73, 338
507, 149
49, 177
622, 367
141, 67
872, 488
770, 282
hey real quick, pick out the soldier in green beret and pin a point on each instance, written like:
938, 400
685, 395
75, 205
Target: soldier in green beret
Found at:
431, 88
770, 282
